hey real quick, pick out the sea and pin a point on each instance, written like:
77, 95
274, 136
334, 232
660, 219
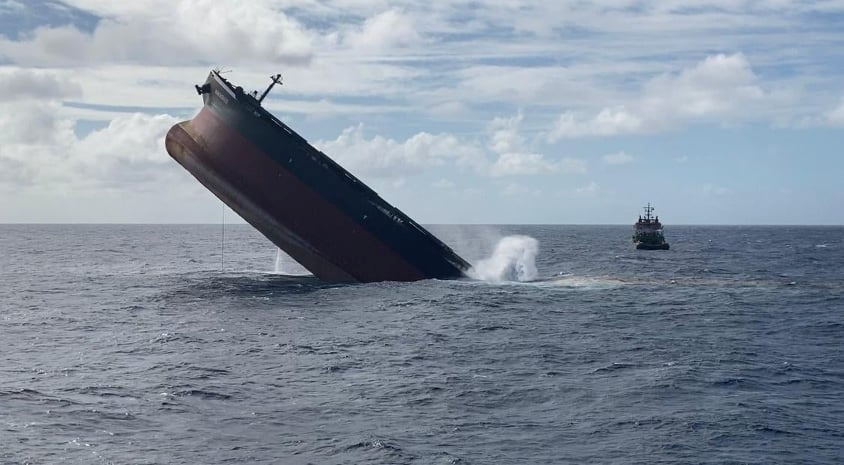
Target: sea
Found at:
203, 344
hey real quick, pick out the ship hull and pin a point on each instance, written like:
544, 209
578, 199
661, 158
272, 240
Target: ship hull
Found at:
303, 202
645, 246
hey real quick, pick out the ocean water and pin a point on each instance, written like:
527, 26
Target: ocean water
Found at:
138, 344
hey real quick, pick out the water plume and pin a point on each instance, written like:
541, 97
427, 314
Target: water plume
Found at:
514, 259
285, 265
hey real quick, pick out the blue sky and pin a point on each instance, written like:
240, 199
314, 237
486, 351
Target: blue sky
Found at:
503, 111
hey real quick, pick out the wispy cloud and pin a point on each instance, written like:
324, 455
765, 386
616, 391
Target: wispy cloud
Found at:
836, 115
715, 190
618, 158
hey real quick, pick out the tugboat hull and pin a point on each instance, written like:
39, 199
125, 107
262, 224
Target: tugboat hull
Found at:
643, 246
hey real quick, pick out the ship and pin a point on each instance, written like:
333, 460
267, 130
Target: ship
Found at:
647, 232
300, 199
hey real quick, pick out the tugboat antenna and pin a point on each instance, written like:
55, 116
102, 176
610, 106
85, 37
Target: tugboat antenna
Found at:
648, 211
276, 80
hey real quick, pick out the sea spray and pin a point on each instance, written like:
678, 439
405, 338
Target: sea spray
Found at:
284, 264
473, 243
514, 259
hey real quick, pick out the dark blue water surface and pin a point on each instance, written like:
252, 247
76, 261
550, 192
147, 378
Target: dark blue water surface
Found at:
129, 344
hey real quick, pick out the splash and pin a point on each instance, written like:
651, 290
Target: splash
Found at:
284, 264
514, 259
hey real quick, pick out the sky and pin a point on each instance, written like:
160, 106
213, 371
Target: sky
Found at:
457, 112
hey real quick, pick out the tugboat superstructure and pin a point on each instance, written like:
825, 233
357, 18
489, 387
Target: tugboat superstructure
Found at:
647, 232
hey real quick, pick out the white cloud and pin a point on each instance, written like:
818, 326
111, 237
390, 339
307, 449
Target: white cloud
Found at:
511, 164
31, 84
514, 157
372, 49
388, 158
835, 116
608, 122
383, 157
719, 88
11, 6
720, 85
42, 150
161, 31
619, 158
31, 123
386, 30
504, 134
130, 149
531, 85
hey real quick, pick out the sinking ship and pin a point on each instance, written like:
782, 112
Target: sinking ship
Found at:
299, 198
647, 232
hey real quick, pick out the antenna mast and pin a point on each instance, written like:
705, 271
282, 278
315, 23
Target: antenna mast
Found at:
648, 211
276, 80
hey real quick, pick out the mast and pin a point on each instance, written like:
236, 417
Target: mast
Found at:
276, 80
648, 211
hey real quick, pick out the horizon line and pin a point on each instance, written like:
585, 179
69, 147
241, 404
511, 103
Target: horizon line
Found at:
427, 224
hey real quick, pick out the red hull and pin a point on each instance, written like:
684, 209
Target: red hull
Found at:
294, 217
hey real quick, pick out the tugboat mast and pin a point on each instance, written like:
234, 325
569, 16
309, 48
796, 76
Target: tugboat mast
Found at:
648, 211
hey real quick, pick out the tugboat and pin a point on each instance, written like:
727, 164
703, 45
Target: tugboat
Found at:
647, 232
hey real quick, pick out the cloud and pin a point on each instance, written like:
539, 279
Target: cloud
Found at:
835, 116
608, 122
720, 85
719, 88
130, 150
619, 158
12, 6
382, 157
30, 123
42, 149
159, 32
511, 164
514, 158
504, 134
384, 31
30, 84
402, 57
